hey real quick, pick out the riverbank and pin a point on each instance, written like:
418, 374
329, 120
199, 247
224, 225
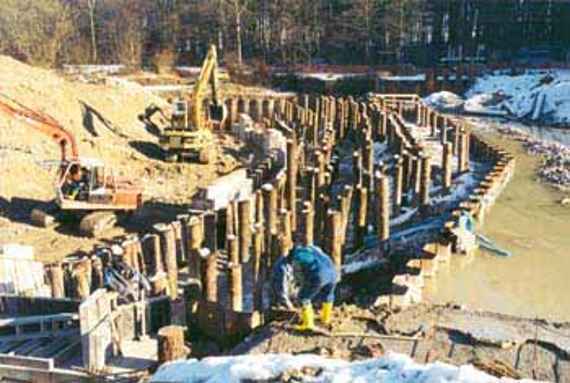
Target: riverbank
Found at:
550, 145
529, 221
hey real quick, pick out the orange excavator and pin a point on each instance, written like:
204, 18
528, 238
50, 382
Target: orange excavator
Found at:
83, 187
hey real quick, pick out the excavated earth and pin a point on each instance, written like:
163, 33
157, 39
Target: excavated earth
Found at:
103, 117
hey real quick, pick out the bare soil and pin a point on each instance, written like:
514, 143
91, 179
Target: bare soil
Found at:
502, 345
103, 117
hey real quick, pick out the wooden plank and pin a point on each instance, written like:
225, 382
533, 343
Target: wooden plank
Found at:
95, 327
40, 335
7, 346
26, 374
49, 349
20, 321
29, 345
26, 361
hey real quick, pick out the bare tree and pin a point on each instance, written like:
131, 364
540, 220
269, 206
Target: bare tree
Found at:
238, 8
277, 31
91, 5
34, 31
128, 30
357, 26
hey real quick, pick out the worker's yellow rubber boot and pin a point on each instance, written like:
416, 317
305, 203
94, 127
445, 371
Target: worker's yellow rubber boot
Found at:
326, 313
307, 318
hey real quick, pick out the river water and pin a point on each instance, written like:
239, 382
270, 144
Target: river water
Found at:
529, 221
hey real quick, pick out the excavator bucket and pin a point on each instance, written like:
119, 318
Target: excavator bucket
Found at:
218, 113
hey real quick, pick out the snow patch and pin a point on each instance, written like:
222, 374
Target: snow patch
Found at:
444, 101
391, 368
328, 76
534, 96
418, 77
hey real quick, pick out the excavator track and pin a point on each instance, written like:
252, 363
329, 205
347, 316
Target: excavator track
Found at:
44, 216
96, 223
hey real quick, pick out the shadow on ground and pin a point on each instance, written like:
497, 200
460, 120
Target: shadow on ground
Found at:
148, 149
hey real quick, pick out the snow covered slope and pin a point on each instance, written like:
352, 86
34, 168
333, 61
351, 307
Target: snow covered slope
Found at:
542, 96
392, 368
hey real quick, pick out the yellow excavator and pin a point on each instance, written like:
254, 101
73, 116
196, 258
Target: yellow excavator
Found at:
190, 132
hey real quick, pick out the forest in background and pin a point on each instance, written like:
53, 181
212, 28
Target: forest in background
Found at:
279, 32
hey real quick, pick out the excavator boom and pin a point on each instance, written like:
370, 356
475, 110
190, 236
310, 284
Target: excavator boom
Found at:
44, 123
208, 75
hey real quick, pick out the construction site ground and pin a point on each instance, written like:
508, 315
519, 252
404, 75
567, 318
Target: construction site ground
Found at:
499, 344
103, 115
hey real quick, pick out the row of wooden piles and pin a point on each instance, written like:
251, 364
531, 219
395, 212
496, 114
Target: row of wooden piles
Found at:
230, 252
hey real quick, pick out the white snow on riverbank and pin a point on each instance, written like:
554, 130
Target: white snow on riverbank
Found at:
391, 368
541, 96
535, 96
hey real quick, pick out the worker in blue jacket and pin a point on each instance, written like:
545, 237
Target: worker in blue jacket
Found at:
319, 279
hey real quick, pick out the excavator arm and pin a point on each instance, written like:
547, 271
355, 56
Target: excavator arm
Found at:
45, 124
208, 75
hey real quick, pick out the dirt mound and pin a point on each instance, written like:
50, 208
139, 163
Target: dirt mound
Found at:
98, 115
104, 120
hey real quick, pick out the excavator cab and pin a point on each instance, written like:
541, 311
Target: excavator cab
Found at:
86, 184
83, 187
179, 118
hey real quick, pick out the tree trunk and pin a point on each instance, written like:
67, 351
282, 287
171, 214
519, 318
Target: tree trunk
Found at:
238, 34
367, 42
92, 4
401, 30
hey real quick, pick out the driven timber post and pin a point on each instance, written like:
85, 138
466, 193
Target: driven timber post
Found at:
334, 233
270, 212
245, 215
307, 223
447, 165
291, 187
209, 276
56, 277
235, 286
425, 182
168, 243
398, 184
383, 206
171, 344
361, 224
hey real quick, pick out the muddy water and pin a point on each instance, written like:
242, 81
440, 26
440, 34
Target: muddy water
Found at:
528, 221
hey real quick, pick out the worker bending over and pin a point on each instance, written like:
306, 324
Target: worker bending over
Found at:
319, 280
